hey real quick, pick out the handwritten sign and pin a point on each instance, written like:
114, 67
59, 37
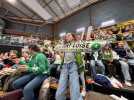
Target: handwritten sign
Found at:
74, 46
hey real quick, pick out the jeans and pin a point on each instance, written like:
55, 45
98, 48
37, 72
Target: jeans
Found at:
117, 65
100, 66
69, 74
125, 70
30, 83
82, 77
22, 81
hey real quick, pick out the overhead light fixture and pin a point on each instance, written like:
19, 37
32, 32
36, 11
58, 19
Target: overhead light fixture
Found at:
108, 23
82, 29
12, 1
36, 7
62, 34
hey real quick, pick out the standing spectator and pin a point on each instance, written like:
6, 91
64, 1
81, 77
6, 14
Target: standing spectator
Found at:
69, 73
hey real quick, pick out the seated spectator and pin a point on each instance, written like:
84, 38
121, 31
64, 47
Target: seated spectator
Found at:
15, 74
9, 61
111, 62
130, 56
38, 72
96, 62
123, 61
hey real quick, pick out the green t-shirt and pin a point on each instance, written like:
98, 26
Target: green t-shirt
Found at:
38, 64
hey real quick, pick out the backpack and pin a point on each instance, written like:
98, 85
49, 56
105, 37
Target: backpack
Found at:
103, 80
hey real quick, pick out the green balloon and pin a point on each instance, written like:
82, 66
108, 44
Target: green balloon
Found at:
96, 46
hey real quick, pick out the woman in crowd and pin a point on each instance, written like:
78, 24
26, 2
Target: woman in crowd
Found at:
38, 72
111, 62
69, 72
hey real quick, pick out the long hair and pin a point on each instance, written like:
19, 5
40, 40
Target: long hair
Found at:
73, 35
107, 45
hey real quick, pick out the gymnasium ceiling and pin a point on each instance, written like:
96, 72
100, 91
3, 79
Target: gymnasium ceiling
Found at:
40, 12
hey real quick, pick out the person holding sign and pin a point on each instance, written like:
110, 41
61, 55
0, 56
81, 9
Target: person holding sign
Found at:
69, 73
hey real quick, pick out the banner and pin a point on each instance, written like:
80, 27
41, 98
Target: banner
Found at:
81, 45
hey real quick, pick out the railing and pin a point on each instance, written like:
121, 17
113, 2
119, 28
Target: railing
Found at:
16, 40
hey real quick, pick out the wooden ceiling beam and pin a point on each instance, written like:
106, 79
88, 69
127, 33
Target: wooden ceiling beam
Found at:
60, 7
20, 22
50, 8
48, 2
18, 10
80, 9
25, 19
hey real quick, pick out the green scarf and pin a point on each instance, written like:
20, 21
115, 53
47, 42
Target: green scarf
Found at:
107, 55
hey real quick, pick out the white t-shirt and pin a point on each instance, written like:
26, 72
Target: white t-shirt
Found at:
69, 57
